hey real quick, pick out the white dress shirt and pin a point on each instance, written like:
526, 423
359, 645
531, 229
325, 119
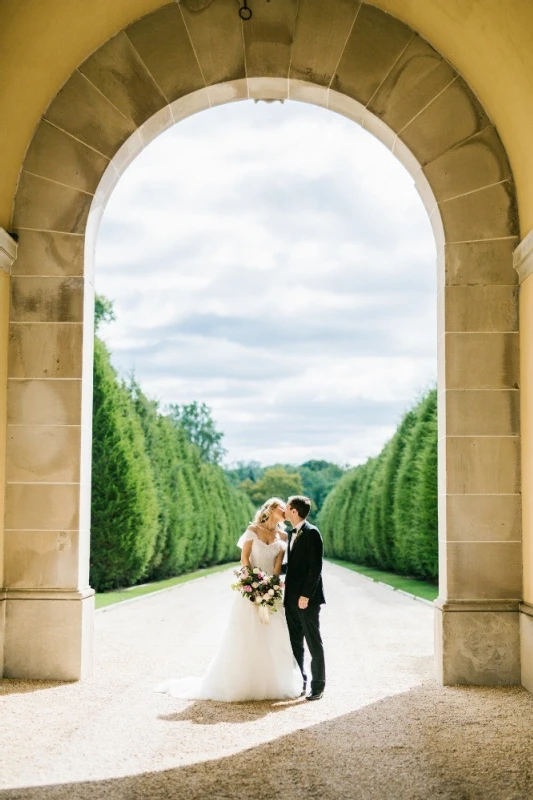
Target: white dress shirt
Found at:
295, 532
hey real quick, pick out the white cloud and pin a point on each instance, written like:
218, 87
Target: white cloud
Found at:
275, 262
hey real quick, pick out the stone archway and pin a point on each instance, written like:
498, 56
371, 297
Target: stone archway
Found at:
359, 61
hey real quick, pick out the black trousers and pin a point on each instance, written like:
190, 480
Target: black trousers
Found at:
305, 624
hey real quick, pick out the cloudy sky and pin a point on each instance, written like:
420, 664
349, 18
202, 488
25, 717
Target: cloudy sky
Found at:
275, 262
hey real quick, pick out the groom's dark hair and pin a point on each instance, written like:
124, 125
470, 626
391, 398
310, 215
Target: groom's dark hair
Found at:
301, 504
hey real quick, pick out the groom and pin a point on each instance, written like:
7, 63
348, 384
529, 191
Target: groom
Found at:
304, 594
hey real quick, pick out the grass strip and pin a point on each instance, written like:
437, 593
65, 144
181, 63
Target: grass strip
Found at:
104, 599
423, 589
419, 588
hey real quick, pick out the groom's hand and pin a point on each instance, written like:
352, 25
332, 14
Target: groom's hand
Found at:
303, 602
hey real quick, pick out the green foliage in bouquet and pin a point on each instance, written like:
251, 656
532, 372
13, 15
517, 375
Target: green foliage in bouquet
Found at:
259, 588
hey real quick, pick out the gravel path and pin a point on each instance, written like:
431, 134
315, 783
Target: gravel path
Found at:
384, 729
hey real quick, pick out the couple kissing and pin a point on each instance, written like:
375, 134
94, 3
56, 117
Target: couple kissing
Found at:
258, 661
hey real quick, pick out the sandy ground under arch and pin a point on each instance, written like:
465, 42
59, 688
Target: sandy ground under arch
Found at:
383, 730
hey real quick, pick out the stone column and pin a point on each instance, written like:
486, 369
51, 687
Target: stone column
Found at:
523, 260
49, 605
8, 253
477, 630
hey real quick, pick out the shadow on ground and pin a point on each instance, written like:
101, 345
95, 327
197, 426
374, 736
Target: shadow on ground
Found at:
208, 712
457, 743
16, 686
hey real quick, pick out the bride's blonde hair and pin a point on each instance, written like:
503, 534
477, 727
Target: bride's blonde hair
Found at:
263, 514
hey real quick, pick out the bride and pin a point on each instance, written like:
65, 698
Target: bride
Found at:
254, 661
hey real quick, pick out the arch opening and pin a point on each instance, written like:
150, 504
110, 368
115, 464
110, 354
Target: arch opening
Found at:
238, 221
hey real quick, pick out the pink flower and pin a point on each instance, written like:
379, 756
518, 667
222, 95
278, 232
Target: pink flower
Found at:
247, 588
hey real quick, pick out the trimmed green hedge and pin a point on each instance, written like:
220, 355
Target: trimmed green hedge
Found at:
384, 513
157, 509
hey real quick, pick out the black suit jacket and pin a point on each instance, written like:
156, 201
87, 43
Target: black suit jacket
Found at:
303, 577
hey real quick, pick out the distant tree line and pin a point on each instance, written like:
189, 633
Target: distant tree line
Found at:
384, 513
160, 504
313, 478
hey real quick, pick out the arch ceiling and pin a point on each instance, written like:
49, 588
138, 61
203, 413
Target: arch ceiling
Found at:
487, 44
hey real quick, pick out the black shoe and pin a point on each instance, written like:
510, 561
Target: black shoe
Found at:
316, 695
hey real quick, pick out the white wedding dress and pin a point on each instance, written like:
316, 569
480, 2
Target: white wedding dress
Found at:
255, 660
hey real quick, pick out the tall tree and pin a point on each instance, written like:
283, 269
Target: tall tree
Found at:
103, 310
426, 499
245, 470
124, 499
276, 482
158, 507
385, 540
196, 420
384, 512
406, 513
318, 477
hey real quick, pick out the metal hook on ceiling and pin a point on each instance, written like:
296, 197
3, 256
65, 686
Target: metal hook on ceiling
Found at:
245, 12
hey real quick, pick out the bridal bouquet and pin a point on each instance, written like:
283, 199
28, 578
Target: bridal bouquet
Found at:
258, 587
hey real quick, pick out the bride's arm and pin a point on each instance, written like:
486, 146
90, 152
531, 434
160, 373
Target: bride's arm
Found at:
245, 553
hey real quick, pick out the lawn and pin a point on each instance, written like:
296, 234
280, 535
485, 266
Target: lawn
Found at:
104, 599
427, 591
423, 589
